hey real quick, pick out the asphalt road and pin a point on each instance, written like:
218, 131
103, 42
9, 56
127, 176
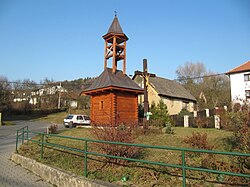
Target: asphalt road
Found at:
12, 175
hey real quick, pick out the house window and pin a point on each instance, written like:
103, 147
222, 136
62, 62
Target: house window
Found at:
185, 105
247, 93
247, 77
101, 105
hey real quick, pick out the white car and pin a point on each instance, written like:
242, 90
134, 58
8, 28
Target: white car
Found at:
73, 120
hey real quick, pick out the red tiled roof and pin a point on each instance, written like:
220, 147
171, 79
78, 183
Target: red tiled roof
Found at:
242, 68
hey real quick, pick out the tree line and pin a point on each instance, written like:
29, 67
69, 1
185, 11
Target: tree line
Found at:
15, 95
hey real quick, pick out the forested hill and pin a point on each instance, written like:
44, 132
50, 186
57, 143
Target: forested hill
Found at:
77, 84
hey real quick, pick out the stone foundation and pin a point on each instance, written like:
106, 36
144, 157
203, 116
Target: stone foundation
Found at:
56, 176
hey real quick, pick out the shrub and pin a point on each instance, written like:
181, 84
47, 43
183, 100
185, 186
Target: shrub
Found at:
160, 113
121, 133
201, 122
184, 112
168, 129
238, 121
198, 140
156, 123
236, 107
53, 129
243, 145
234, 120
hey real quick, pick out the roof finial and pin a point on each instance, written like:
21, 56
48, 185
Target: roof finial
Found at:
115, 13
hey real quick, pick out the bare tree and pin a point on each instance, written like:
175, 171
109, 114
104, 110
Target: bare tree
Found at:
215, 90
190, 70
5, 94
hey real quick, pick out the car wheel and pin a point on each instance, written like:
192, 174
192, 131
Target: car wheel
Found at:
71, 125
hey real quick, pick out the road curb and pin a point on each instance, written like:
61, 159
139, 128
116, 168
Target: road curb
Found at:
56, 176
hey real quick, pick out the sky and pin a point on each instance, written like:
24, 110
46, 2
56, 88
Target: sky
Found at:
62, 39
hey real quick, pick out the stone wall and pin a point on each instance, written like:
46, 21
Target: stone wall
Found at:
56, 176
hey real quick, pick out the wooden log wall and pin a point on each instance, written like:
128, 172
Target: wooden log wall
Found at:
101, 108
114, 108
127, 107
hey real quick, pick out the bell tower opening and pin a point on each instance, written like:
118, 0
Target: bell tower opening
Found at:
115, 46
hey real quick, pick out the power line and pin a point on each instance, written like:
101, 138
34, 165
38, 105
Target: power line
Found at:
200, 77
23, 83
41, 84
85, 83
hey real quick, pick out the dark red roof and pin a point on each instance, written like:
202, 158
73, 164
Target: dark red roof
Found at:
242, 68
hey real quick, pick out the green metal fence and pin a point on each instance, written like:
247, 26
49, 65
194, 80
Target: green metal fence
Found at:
23, 134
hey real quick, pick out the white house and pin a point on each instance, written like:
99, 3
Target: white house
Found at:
240, 83
33, 97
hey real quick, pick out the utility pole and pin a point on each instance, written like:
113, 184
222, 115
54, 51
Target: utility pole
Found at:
59, 96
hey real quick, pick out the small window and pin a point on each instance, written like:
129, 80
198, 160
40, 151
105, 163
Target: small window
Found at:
247, 77
101, 105
247, 93
185, 105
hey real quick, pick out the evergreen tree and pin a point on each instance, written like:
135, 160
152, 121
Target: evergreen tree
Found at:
160, 113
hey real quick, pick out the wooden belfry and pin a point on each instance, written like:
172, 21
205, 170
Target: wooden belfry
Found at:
114, 96
115, 45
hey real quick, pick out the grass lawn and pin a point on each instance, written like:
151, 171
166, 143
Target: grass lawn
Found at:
56, 118
136, 174
8, 123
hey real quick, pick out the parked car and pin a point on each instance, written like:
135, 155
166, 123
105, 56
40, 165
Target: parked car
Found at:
73, 120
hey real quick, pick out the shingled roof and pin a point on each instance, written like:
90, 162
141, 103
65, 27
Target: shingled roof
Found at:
115, 27
107, 79
242, 68
170, 88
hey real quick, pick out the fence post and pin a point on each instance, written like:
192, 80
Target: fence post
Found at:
225, 108
0, 119
27, 133
183, 168
17, 134
85, 159
195, 114
22, 135
217, 121
207, 112
186, 121
42, 146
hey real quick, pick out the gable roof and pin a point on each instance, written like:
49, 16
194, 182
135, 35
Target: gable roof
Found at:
170, 88
242, 68
115, 27
107, 80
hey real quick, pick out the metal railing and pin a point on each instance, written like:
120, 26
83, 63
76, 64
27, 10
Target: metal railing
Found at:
24, 134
